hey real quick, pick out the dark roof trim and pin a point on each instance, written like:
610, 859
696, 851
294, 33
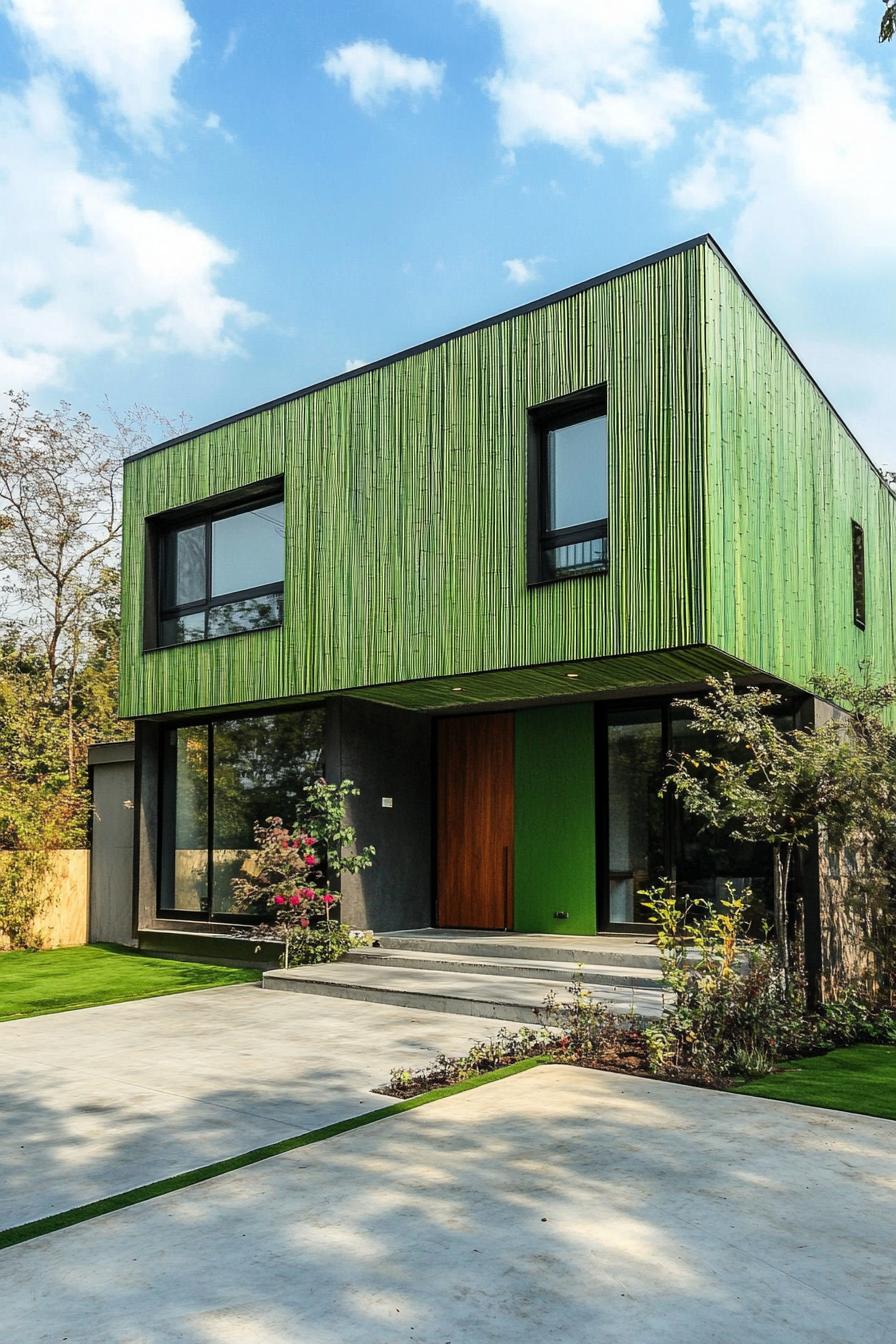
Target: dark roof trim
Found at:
523, 308
702, 239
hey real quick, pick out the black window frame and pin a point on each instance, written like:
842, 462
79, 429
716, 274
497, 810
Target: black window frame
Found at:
208, 512
167, 803
587, 404
858, 574
673, 815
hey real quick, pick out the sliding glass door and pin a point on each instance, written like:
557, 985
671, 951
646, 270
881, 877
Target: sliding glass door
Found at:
217, 780
647, 835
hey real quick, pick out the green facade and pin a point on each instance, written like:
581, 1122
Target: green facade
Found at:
555, 866
732, 488
784, 480
406, 508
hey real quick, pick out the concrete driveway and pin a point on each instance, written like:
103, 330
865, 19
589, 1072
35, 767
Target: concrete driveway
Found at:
558, 1205
101, 1100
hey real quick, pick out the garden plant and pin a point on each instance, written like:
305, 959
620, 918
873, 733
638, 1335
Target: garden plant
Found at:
292, 882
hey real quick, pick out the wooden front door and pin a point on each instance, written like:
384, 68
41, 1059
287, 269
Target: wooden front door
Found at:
474, 817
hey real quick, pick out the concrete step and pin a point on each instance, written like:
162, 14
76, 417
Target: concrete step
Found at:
599, 950
562, 972
502, 997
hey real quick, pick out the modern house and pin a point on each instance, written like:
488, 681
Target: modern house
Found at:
473, 577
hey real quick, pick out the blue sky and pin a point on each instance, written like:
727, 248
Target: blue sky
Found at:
206, 205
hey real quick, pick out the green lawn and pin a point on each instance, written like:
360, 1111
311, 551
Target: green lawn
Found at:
79, 977
858, 1078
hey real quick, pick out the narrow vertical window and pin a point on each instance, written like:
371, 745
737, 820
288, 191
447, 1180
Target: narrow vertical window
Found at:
568, 488
858, 575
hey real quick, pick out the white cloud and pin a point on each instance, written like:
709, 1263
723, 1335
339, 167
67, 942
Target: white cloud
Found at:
230, 46
213, 123
522, 271
814, 174
374, 71
84, 269
352, 364
584, 74
131, 52
810, 180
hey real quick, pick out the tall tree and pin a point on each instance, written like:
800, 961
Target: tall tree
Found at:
888, 22
60, 529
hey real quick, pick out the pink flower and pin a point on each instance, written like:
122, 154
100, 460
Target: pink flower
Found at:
328, 899
279, 900
311, 860
304, 922
295, 900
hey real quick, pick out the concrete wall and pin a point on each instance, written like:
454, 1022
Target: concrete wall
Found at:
63, 921
111, 766
388, 753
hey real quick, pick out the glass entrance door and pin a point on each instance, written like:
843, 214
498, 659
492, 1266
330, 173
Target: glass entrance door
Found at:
636, 830
648, 838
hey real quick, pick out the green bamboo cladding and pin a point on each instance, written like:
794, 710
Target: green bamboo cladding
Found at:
405, 492
784, 482
732, 489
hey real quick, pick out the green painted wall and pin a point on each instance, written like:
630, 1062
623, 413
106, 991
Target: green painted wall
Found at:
406, 504
783, 481
554, 857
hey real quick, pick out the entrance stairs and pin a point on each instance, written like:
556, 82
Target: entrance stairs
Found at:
505, 976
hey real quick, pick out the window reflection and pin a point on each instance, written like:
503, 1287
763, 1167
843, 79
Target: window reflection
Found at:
260, 766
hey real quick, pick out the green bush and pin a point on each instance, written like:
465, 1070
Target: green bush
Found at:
328, 942
23, 896
734, 1011
854, 1019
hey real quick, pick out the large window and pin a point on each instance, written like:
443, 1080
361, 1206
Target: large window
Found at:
217, 780
221, 572
651, 838
568, 488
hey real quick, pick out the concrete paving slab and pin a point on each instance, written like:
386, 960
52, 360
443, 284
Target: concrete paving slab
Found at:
560, 1206
442, 991
101, 1100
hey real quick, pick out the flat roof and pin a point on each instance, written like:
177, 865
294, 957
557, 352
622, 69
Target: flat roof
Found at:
702, 239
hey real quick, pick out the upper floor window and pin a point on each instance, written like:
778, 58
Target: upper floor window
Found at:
568, 488
220, 572
858, 575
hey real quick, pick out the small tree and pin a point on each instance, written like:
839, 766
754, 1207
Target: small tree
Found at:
769, 785
293, 878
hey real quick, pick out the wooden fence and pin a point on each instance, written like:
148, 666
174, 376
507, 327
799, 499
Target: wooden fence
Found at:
65, 920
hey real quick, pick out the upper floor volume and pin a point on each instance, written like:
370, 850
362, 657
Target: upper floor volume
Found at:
630, 483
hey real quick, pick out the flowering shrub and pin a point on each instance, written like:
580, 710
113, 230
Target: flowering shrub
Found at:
734, 1011
293, 884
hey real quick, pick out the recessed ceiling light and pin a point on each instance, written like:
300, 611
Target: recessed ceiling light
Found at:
457, 688
572, 675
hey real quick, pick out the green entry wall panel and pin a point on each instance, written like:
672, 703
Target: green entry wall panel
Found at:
555, 860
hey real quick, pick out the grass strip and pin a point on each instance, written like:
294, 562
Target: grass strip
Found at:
55, 1222
63, 979
856, 1078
